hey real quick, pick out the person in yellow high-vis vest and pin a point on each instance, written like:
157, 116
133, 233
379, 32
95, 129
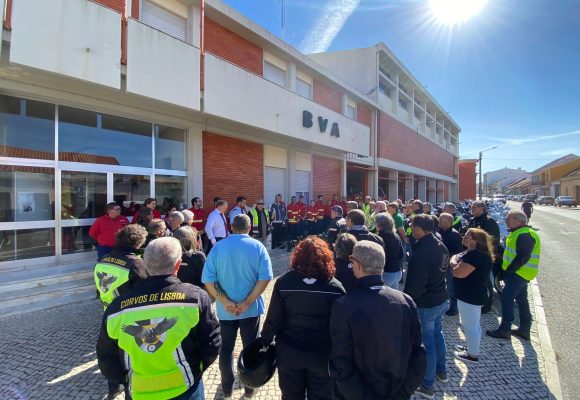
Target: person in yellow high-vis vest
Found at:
521, 259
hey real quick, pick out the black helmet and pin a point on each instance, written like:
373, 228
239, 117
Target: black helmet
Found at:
257, 364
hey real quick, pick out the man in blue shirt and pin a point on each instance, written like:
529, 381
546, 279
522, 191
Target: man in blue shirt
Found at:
236, 273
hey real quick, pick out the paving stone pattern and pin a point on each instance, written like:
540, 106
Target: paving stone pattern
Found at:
51, 355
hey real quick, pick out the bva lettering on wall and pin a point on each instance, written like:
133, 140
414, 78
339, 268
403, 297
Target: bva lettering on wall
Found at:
307, 122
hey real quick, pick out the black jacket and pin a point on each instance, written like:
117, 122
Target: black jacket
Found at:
377, 347
488, 224
191, 268
452, 240
135, 265
363, 234
393, 251
344, 273
426, 272
337, 225
299, 312
200, 347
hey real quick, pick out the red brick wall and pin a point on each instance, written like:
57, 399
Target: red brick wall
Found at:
326, 173
135, 9
231, 168
399, 143
467, 180
232, 47
363, 115
327, 96
116, 5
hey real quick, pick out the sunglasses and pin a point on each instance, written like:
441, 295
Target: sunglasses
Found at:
260, 204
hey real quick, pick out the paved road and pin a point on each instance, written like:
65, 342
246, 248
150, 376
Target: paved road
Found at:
559, 229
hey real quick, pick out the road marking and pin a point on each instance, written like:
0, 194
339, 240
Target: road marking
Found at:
568, 233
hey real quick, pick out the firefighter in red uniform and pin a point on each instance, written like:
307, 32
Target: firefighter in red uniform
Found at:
293, 219
344, 204
302, 222
199, 219
321, 207
312, 217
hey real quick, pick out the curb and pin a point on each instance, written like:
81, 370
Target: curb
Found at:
552, 376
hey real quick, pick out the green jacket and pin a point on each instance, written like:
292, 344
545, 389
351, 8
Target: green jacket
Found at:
159, 338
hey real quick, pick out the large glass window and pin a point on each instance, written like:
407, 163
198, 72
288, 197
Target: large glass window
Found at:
89, 137
26, 128
26, 243
26, 194
170, 148
84, 195
76, 239
130, 191
170, 190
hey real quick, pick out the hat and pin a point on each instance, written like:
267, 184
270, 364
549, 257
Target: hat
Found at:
337, 209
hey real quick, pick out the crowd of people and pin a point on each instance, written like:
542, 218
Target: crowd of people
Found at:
346, 321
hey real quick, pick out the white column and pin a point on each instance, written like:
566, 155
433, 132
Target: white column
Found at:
409, 187
396, 96
422, 195
440, 191
291, 175
342, 178
195, 162
393, 185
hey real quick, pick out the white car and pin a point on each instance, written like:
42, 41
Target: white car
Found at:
499, 198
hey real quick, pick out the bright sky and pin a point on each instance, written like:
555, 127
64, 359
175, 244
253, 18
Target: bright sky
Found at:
509, 76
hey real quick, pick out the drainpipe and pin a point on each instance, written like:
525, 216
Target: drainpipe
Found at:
201, 44
124, 34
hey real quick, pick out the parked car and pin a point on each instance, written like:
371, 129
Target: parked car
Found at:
499, 197
565, 201
545, 200
530, 197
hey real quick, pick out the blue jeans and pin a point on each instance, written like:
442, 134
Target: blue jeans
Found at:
198, 393
451, 290
392, 279
433, 340
249, 328
516, 288
470, 316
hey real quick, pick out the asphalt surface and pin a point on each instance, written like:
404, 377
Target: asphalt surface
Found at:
559, 230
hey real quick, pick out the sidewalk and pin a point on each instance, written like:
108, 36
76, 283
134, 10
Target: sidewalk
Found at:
51, 355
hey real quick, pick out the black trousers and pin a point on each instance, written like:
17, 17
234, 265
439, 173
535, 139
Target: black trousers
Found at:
295, 383
278, 237
293, 230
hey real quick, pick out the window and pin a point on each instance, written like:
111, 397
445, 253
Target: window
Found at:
403, 89
170, 148
384, 89
303, 88
90, 137
403, 103
274, 74
170, 190
27, 194
26, 243
163, 20
351, 111
83, 195
26, 128
130, 191
417, 113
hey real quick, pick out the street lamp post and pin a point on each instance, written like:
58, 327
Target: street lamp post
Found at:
480, 177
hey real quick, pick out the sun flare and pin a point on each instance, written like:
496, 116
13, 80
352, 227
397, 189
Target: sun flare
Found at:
452, 12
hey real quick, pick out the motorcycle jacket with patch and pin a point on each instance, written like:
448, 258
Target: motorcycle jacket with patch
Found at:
159, 338
117, 273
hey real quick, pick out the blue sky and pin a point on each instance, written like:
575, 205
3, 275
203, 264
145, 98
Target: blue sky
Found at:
509, 76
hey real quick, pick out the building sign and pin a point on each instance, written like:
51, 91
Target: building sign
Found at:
307, 122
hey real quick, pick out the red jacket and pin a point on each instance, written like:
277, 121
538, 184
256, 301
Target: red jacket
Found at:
199, 218
293, 213
312, 213
321, 209
344, 206
104, 229
334, 203
156, 214
303, 208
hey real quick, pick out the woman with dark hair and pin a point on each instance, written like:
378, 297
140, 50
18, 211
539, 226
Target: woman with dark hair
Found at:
299, 318
144, 216
342, 251
192, 259
471, 270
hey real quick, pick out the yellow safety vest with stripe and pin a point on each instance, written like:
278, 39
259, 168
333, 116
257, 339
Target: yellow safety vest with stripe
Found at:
409, 230
110, 274
150, 338
529, 270
256, 219
457, 222
367, 209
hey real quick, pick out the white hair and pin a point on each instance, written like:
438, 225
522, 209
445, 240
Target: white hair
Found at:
371, 255
187, 216
161, 255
